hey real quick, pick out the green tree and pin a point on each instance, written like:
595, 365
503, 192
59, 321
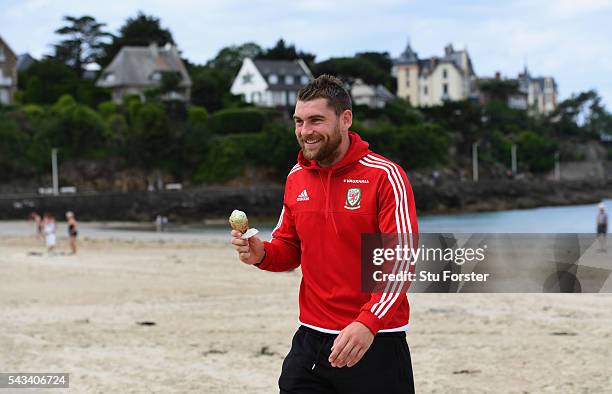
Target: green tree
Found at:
350, 68
47, 80
230, 58
282, 51
83, 44
536, 151
141, 30
13, 148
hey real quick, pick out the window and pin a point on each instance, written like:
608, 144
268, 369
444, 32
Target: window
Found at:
273, 78
304, 80
444, 74
288, 79
407, 73
109, 77
407, 83
425, 90
292, 97
445, 88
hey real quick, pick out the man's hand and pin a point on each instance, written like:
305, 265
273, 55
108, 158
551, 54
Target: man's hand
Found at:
250, 251
350, 345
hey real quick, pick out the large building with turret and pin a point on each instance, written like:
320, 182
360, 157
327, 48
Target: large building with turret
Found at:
431, 81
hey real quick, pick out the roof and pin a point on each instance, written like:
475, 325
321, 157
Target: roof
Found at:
136, 66
407, 57
24, 61
426, 66
7, 47
281, 68
361, 89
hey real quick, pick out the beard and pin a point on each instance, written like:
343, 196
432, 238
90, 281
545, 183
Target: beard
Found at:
327, 151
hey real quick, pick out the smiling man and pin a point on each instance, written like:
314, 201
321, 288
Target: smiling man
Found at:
349, 341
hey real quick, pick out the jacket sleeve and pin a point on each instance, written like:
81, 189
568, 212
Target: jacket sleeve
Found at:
396, 216
283, 252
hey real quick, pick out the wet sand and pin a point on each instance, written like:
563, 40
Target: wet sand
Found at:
223, 327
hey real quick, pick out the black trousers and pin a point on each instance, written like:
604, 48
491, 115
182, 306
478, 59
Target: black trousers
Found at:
384, 369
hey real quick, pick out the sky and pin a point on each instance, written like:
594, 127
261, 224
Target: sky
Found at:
566, 39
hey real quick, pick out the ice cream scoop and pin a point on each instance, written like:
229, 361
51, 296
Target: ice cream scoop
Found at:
239, 222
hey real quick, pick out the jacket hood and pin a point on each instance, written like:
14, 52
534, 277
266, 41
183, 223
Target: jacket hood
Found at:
358, 148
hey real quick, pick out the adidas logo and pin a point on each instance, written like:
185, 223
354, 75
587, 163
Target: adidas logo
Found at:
303, 196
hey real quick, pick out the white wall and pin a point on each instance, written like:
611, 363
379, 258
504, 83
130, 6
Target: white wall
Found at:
258, 87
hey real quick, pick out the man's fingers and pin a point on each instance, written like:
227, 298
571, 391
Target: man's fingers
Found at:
356, 357
244, 256
342, 357
239, 242
339, 344
242, 249
337, 339
236, 234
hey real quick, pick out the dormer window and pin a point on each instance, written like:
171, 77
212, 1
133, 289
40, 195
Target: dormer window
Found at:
288, 79
304, 80
273, 79
109, 77
156, 76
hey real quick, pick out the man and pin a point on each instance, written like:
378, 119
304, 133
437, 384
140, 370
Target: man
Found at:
602, 226
349, 341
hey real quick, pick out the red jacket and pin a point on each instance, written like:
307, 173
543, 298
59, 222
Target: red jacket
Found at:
325, 211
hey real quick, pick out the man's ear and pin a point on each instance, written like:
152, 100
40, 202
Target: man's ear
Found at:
347, 119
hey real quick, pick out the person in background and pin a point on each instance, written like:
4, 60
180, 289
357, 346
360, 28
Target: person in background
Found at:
159, 224
49, 229
35, 217
72, 231
602, 226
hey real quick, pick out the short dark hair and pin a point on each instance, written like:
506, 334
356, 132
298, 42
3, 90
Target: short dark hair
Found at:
330, 88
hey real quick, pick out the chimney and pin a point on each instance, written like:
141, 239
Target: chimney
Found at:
448, 49
154, 50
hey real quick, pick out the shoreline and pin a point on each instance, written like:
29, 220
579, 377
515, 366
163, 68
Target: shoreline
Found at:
215, 203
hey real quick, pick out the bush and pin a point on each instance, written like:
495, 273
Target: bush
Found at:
413, 146
421, 146
107, 108
197, 114
536, 151
237, 120
12, 149
76, 129
225, 160
197, 135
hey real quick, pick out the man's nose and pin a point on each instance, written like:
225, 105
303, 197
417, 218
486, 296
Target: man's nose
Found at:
307, 131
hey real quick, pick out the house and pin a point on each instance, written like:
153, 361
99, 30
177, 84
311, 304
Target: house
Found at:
134, 70
537, 95
503, 89
271, 83
541, 92
8, 73
431, 81
372, 96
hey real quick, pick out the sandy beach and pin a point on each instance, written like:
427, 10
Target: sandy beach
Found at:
223, 327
